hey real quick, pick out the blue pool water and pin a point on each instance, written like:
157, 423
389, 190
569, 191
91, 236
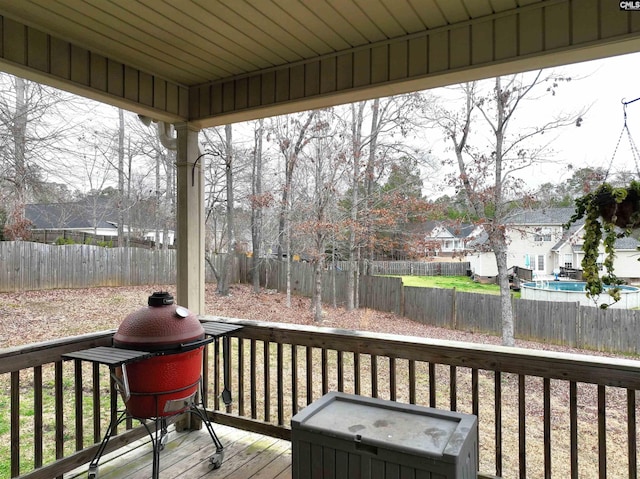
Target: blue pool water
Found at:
578, 286
574, 291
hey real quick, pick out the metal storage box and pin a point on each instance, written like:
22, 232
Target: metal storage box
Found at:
344, 436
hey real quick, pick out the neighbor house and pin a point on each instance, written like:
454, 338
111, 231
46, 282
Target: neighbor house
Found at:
537, 240
447, 239
88, 218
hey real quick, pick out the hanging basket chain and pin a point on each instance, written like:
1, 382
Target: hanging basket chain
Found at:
634, 148
632, 144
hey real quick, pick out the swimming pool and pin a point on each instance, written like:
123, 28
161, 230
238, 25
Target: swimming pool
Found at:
574, 292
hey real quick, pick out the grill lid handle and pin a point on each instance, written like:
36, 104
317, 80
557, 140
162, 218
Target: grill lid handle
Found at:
160, 298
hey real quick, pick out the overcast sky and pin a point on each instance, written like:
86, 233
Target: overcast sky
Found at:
599, 86
603, 84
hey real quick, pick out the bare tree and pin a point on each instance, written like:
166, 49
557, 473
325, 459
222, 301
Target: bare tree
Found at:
325, 168
258, 202
291, 134
33, 144
487, 168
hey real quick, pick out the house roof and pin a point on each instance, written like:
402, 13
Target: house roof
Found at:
544, 216
627, 243
457, 230
95, 213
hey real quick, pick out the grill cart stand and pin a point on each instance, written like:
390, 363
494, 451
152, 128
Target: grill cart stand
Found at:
117, 360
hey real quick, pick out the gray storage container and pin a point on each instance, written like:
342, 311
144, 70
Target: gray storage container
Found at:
344, 436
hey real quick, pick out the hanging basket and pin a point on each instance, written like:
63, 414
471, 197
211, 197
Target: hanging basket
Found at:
603, 210
618, 206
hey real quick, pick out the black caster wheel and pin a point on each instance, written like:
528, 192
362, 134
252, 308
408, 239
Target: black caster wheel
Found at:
216, 460
163, 442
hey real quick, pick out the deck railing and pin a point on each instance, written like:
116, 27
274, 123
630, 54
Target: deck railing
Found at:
541, 413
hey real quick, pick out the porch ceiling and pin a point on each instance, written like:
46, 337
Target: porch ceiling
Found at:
214, 61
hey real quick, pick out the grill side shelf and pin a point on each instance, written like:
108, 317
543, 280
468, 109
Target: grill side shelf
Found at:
212, 328
109, 355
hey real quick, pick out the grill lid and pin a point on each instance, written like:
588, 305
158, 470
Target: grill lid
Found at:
161, 326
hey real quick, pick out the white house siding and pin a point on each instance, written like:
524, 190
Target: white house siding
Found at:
625, 264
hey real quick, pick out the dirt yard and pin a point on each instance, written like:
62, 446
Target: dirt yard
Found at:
35, 316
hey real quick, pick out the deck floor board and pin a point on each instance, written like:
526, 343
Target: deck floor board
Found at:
186, 456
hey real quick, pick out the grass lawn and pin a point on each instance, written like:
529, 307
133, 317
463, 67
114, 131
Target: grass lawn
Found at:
461, 283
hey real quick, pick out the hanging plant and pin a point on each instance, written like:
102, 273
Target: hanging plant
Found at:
603, 210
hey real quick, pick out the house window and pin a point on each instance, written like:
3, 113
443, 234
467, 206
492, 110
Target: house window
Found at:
568, 261
542, 237
540, 262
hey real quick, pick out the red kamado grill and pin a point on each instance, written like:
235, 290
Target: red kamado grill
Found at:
167, 382
156, 362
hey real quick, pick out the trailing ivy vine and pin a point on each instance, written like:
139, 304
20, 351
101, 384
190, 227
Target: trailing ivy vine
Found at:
603, 210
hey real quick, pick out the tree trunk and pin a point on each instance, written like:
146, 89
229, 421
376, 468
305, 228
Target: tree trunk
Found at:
369, 181
15, 221
317, 290
256, 209
506, 308
225, 277
120, 205
356, 146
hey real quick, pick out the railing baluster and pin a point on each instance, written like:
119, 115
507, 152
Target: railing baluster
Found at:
280, 382
77, 365
309, 351
340, 370
38, 425
294, 379
392, 379
253, 379
475, 402
240, 401
374, 376
432, 385
412, 381
573, 428
15, 424
498, 421
356, 373
113, 404
546, 394
631, 433
602, 432
59, 408
324, 368
522, 425
216, 374
453, 388
97, 426
266, 367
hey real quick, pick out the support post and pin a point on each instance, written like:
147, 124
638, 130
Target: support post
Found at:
189, 221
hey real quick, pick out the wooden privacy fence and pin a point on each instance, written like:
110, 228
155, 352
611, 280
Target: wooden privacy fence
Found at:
566, 324
28, 266
413, 268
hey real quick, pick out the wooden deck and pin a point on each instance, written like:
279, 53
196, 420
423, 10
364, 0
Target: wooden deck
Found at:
186, 456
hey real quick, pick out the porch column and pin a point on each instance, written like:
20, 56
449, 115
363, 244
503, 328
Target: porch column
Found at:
189, 220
